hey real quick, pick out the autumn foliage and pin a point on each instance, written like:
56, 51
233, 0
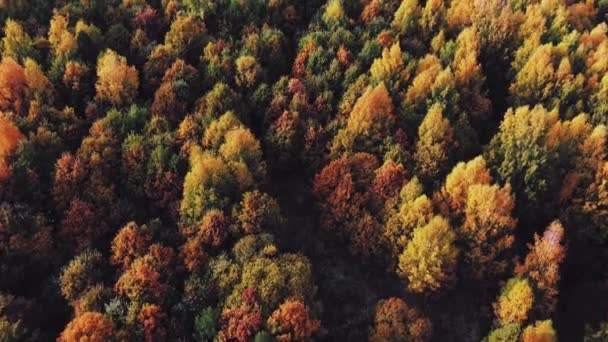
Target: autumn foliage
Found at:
12, 86
396, 321
90, 326
542, 265
429, 259
117, 82
241, 323
292, 322
10, 137
371, 119
320, 170
514, 302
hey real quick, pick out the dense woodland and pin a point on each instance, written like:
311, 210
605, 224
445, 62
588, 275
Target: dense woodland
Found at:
290, 170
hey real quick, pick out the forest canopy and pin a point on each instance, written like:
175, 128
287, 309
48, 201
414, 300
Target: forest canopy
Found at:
295, 171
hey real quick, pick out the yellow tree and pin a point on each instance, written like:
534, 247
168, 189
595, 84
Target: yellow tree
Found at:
429, 260
206, 185
428, 71
459, 15
389, 65
541, 331
117, 82
468, 74
496, 25
39, 88
370, 121
487, 230
334, 12
185, 31
535, 82
406, 16
63, 42
415, 210
465, 62
514, 302
214, 134
454, 192
432, 17
82, 273
16, 42
435, 138
243, 152
248, 71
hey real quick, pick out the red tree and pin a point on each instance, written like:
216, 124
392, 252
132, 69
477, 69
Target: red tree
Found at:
82, 225
292, 322
242, 323
130, 243
542, 265
153, 320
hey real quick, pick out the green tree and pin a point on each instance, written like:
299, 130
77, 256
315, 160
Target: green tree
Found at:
80, 274
507, 333
520, 155
206, 324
